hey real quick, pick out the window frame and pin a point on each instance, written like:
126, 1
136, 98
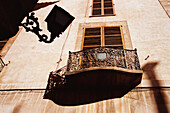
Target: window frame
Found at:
102, 9
102, 37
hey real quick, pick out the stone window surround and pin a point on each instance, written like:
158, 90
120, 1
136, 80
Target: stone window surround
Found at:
125, 30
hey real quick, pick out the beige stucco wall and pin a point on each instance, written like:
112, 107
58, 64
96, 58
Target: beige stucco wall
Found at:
137, 101
31, 61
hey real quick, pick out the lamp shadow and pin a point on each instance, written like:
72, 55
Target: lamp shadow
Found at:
159, 96
18, 107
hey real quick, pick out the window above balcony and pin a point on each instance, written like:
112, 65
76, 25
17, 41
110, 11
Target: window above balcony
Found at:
103, 34
103, 37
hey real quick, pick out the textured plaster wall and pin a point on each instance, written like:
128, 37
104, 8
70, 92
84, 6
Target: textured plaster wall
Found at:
136, 101
31, 61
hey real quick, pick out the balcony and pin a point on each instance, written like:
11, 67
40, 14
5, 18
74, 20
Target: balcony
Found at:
94, 75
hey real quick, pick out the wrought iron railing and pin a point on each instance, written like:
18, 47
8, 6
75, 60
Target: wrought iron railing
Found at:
2, 64
103, 57
97, 57
56, 79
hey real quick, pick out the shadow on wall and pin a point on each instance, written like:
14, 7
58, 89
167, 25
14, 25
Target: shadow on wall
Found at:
17, 108
90, 86
160, 97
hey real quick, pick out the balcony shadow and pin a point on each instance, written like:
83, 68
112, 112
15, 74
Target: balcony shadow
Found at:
159, 96
91, 86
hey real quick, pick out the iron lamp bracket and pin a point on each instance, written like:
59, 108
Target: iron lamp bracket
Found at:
32, 25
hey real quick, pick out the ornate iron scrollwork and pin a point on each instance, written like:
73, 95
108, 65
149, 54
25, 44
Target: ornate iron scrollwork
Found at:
111, 58
32, 21
132, 60
56, 79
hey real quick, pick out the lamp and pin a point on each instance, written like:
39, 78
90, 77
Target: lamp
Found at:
57, 22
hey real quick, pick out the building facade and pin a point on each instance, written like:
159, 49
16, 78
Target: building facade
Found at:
140, 24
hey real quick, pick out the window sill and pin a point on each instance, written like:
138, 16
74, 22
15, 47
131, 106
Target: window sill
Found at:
102, 15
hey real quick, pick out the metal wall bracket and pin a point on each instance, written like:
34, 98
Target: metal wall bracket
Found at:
2, 64
32, 21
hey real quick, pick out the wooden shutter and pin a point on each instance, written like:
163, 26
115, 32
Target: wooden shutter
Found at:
108, 7
102, 8
97, 11
103, 36
92, 38
112, 37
